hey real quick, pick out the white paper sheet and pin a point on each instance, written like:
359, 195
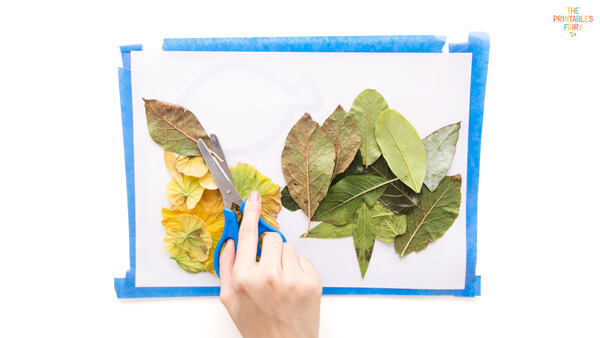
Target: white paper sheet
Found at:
251, 100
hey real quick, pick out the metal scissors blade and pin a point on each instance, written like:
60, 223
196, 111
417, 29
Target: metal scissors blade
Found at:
216, 145
221, 175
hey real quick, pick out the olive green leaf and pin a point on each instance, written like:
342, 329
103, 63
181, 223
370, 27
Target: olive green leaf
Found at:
397, 196
440, 209
386, 224
328, 230
364, 238
440, 147
174, 128
344, 133
287, 201
345, 197
402, 148
307, 162
188, 264
365, 111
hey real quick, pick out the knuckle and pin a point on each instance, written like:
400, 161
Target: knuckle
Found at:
270, 277
241, 282
225, 298
252, 207
272, 237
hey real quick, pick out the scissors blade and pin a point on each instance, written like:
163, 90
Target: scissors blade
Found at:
216, 146
225, 184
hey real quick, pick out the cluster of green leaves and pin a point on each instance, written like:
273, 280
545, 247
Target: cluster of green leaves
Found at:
393, 189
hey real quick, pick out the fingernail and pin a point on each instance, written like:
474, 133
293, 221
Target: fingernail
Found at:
254, 195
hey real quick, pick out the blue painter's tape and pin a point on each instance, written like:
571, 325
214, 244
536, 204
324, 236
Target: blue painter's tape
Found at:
126, 55
357, 44
478, 45
123, 286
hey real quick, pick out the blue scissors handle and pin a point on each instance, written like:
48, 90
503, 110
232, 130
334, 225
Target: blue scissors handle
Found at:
231, 230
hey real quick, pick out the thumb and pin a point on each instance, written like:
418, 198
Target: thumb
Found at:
226, 261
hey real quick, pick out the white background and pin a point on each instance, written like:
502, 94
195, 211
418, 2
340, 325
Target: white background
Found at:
265, 94
64, 219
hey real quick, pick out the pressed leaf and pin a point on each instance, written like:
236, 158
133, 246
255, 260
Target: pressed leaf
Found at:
192, 237
188, 264
287, 201
355, 168
365, 110
207, 182
307, 161
246, 178
386, 224
440, 209
345, 197
174, 128
440, 147
402, 148
364, 238
191, 165
344, 133
397, 196
171, 164
188, 193
328, 230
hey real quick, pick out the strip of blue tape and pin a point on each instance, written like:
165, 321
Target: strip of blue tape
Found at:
478, 45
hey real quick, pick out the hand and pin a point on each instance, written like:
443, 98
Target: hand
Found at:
279, 296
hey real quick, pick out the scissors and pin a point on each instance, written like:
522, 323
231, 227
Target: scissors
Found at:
217, 165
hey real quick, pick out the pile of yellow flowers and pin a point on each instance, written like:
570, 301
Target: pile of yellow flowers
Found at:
195, 221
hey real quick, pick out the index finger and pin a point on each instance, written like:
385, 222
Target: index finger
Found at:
248, 235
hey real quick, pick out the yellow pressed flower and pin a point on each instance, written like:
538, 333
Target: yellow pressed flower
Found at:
246, 178
191, 165
190, 192
210, 210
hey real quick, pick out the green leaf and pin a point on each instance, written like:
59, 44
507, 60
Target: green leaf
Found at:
397, 196
364, 238
440, 147
344, 133
287, 201
328, 230
345, 197
402, 148
387, 225
307, 162
365, 110
440, 209
174, 128
355, 168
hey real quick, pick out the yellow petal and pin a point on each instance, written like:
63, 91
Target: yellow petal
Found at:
246, 178
170, 160
207, 182
191, 165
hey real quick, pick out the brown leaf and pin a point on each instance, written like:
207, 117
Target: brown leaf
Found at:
174, 128
307, 161
345, 135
